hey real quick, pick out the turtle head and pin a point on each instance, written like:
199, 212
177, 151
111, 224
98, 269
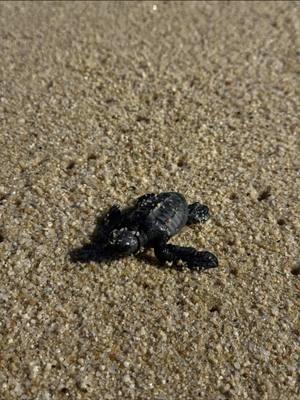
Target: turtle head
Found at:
124, 241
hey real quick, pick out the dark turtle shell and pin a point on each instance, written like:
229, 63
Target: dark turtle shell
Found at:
161, 214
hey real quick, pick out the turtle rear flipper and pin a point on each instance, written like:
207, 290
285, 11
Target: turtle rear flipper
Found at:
198, 213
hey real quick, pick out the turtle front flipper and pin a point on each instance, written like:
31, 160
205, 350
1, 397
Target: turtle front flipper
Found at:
198, 213
188, 256
112, 220
106, 224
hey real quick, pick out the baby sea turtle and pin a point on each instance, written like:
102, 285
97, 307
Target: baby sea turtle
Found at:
153, 220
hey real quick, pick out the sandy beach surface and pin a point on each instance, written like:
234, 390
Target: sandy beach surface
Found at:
101, 102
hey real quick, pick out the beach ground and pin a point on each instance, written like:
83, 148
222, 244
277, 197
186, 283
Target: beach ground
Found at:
101, 102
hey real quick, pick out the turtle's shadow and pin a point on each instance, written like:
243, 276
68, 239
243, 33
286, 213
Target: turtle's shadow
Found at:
89, 252
93, 252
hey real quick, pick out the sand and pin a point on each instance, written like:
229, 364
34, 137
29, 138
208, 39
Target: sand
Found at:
103, 102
